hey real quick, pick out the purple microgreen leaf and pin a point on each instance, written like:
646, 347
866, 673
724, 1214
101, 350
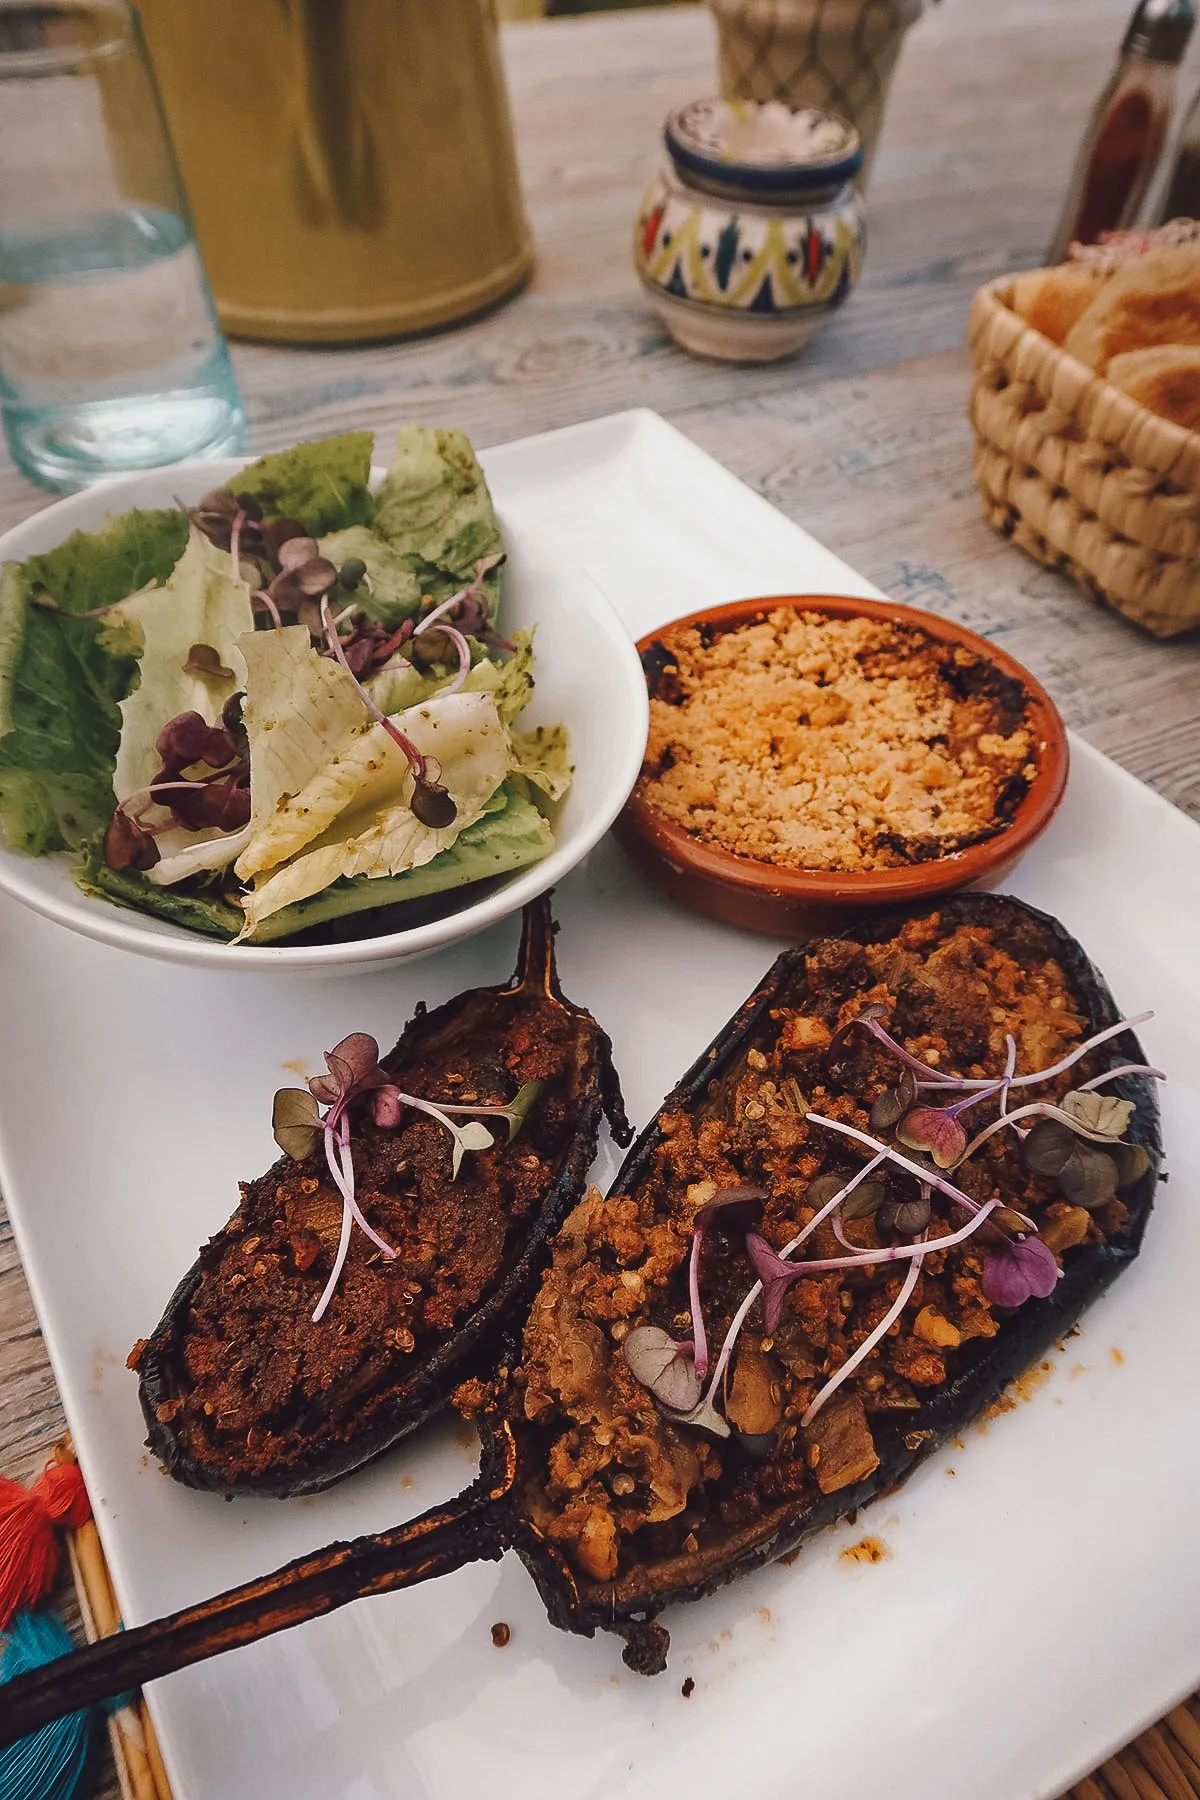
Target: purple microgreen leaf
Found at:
127, 844
1103, 1114
314, 577
893, 1155
775, 1274
357, 1054
1049, 1147
294, 552
934, 1130
295, 1123
189, 739
213, 514
1020, 1271
351, 573
325, 1089
432, 804
757, 1445
202, 659
733, 1209
664, 1367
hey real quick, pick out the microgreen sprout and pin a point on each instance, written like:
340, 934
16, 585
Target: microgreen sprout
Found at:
354, 1075
868, 1344
1079, 1143
203, 782
1020, 1270
430, 802
667, 1368
736, 1205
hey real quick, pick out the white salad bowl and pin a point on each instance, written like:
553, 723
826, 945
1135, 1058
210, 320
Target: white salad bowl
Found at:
588, 677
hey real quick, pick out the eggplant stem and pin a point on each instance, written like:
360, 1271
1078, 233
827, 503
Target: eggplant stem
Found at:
536, 971
475, 1527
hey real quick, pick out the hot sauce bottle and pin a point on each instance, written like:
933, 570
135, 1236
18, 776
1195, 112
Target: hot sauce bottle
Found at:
1128, 126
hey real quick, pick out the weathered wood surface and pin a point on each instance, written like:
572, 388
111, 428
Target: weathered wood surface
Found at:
863, 440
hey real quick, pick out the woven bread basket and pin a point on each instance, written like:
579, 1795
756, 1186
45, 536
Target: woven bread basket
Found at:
1080, 475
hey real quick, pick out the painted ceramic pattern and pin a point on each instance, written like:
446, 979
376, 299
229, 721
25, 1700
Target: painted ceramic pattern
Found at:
748, 260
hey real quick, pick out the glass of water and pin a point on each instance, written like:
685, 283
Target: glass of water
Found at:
111, 357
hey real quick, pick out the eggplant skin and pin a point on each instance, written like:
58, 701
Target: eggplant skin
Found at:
586, 1607
472, 1349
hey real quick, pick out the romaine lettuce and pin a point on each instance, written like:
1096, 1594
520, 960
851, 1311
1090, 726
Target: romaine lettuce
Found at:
362, 802
60, 680
200, 603
435, 508
508, 836
391, 592
324, 484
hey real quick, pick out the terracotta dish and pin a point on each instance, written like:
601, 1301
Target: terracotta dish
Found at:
762, 897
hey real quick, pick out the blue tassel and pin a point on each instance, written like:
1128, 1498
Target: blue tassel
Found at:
57, 1762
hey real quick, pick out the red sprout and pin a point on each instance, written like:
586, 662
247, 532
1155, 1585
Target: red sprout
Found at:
868, 1344
430, 802
1014, 1272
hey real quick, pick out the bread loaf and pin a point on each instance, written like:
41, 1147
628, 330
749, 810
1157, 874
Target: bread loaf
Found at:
1155, 300
1165, 379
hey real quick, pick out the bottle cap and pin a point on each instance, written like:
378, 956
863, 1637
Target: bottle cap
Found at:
1160, 30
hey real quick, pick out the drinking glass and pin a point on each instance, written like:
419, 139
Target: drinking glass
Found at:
111, 357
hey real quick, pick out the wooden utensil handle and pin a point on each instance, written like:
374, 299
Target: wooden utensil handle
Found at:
472, 1528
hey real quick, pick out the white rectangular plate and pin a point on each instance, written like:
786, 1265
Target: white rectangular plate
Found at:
1038, 1604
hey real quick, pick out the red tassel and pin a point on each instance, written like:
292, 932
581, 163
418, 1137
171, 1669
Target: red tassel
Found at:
29, 1548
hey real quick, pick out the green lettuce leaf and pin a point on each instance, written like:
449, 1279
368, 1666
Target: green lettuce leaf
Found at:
509, 683
361, 802
300, 711
509, 834
323, 483
542, 758
395, 593
198, 908
62, 676
201, 603
514, 689
434, 507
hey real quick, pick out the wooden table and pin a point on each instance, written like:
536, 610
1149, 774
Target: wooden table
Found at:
863, 440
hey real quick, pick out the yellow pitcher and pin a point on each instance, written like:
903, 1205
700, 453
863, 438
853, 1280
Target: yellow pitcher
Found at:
349, 163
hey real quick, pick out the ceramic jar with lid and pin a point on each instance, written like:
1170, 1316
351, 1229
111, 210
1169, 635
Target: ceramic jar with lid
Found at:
754, 233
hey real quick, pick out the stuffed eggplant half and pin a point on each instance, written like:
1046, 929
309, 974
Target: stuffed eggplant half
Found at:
900, 1173
369, 1270
904, 1169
